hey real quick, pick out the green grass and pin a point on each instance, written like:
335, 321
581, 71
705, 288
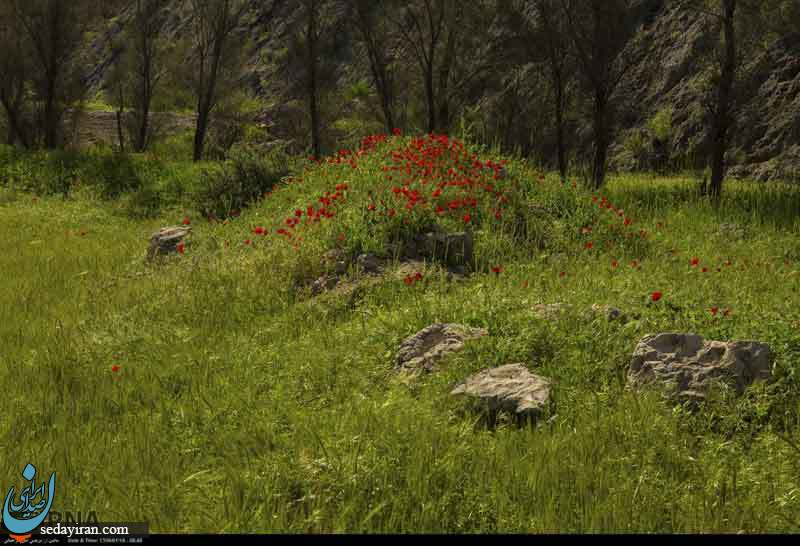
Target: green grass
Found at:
244, 405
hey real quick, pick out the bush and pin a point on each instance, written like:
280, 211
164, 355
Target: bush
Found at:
144, 203
245, 177
115, 174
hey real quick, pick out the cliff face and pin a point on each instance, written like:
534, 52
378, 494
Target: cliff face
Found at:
661, 111
673, 79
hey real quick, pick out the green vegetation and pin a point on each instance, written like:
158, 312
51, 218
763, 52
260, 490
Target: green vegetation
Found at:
242, 403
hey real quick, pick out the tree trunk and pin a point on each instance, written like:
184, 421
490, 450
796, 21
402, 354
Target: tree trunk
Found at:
724, 93
560, 141
431, 98
200, 130
312, 82
600, 141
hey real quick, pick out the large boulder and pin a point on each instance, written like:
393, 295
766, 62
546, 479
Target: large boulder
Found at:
455, 250
687, 365
166, 240
510, 388
423, 350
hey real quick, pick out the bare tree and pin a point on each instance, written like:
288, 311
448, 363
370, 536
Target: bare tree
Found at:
600, 31
368, 20
147, 70
214, 54
14, 69
552, 27
54, 30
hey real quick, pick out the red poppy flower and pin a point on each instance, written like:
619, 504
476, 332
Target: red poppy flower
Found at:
588, 245
397, 132
695, 261
259, 230
714, 311
467, 218
409, 280
371, 206
247, 241
180, 248
186, 221
497, 269
115, 368
627, 221
655, 296
418, 276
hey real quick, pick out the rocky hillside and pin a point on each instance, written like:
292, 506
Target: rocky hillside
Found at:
661, 116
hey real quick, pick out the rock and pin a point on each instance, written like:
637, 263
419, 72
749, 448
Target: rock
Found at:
369, 263
336, 260
326, 282
551, 310
687, 365
424, 349
454, 249
166, 240
510, 388
610, 313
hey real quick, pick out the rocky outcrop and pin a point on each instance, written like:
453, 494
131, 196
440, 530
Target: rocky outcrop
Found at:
426, 348
510, 388
166, 241
686, 365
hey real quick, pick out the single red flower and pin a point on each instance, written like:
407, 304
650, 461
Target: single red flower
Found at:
655, 296
467, 218
588, 245
186, 221
497, 269
371, 206
115, 368
714, 311
259, 230
397, 132
614, 264
627, 221
180, 248
409, 280
695, 262
247, 241
418, 276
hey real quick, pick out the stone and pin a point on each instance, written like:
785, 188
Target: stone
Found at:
369, 263
454, 249
335, 260
510, 388
609, 312
687, 365
423, 350
166, 240
326, 282
551, 311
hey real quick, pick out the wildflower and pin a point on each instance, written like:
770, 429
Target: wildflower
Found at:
497, 269
705, 270
467, 218
588, 245
627, 221
247, 241
397, 132
655, 296
180, 248
714, 311
186, 221
418, 276
258, 230
695, 262
614, 264
409, 280
115, 368
298, 213
371, 206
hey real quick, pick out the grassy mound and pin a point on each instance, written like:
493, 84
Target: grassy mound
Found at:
218, 395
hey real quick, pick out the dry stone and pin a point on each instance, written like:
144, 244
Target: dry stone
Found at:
166, 241
687, 365
510, 388
423, 350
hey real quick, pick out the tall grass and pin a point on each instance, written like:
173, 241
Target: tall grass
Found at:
244, 405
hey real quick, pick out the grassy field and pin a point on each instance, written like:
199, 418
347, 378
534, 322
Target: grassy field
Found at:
213, 393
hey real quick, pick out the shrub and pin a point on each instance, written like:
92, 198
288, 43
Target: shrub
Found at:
246, 176
114, 173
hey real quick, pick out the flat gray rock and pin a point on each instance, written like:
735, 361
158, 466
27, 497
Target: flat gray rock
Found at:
687, 365
510, 388
423, 350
